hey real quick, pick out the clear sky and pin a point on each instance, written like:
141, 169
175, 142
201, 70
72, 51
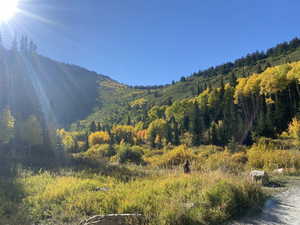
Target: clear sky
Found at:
154, 41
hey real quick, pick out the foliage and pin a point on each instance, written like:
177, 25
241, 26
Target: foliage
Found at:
31, 131
294, 129
129, 154
97, 153
123, 133
7, 126
157, 132
172, 158
262, 158
98, 138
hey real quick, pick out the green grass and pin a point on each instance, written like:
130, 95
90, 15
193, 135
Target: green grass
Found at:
67, 197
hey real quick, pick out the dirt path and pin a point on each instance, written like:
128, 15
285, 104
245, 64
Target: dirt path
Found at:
284, 209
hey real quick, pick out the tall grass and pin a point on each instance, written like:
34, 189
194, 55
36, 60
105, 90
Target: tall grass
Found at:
166, 200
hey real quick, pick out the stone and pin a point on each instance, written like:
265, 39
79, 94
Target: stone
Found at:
259, 176
279, 171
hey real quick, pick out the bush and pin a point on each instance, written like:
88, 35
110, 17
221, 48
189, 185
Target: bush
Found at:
226, 200
172, 158
129, 154
99, 152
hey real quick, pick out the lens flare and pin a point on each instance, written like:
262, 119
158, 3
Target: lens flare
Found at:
8, 9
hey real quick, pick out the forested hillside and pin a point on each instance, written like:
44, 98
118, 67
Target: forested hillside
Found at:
32, 84
117, 106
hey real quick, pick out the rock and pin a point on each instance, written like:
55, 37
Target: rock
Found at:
101, 189
114, 219
189, 205
279, 171
259, 175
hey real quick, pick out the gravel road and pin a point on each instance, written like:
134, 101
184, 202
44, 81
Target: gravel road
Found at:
284, 209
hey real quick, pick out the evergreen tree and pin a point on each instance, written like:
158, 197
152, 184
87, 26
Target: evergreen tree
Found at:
14, 46
233, 80
93, 127
99, 127
195, 125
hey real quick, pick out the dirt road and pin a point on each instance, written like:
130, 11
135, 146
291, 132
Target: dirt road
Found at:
284, 209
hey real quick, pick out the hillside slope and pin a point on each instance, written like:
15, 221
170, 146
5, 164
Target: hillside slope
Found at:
117, 107
33, 84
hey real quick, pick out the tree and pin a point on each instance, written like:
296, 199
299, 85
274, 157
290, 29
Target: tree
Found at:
14, 46
31, 132
1, 41
195, 125
123, 133
69, 144
7, 126
99, 137
24, 44
158, 130
233, 80
93, 127
157, 112
32, 47
294, 129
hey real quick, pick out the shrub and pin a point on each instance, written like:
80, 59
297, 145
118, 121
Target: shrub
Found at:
226, 200
172, 158
99, 152
129, 154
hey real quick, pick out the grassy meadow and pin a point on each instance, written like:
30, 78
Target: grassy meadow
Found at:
217, 190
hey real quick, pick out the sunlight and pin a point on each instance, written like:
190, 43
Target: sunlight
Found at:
8, 8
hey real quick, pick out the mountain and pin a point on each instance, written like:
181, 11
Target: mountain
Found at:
33, 84
68, 94
120, 104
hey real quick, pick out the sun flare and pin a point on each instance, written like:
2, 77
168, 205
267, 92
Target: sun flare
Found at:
8, 8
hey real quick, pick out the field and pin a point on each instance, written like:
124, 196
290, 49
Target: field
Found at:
217, 190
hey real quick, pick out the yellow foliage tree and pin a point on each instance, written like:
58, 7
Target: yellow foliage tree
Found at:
294, 128
123, 133
100, 137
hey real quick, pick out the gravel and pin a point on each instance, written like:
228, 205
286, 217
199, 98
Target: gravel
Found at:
284, 209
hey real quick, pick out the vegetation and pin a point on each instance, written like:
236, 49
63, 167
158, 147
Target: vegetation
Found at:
224, 121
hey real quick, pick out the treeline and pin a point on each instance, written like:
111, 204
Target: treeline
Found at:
237, 112
31, 142
22, 44
256, 59
250, 59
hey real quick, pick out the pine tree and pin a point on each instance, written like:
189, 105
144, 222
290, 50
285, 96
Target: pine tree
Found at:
14, 46
99, 127
195, 125
233, 80
1, 41
93, 127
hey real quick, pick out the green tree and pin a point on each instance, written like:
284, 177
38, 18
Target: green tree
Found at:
7, 126
32, 132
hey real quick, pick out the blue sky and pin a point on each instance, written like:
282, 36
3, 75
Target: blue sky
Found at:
154, 41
